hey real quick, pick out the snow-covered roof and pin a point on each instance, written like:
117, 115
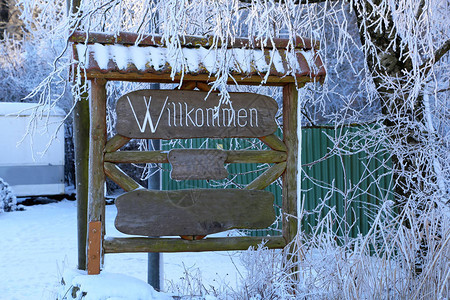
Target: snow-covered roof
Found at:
112, 57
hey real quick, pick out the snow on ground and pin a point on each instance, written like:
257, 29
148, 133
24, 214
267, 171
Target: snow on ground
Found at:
39, 244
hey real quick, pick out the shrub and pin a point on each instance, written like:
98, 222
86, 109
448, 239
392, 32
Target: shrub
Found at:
8, 201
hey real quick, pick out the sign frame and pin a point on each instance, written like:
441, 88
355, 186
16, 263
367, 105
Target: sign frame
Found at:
97, 156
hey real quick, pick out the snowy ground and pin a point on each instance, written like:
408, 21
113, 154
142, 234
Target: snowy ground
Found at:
39, 244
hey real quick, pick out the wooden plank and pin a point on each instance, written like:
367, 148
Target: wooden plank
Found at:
203, 86
81, 150
137, 157
97, 133
130, 38
142, 244
192, 212
187, 85
120, 177
97, 111
274, 142
197, 164
233, 156
290, 124
253, 156
168, 114
116, 142
266, 178
272, 80
94, 246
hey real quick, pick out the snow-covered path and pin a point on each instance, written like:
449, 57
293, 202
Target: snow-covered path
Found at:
38, 244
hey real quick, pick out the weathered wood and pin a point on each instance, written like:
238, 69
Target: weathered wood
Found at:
121, 245
97, 112
167, 114
203, 86
116, 142
129, 38
94, 247
192, 212
197, 164
81, 151
253, 156
192, 237
120, 178
187, 85
290, 124
97, 133
137, 157
273, 142
233, 156
266, 178
167, 78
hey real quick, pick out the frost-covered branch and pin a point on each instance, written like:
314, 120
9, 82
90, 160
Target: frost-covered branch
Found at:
440, 52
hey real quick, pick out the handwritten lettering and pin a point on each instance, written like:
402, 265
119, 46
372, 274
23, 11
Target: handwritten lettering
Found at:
164, 114
148, 117
185, 115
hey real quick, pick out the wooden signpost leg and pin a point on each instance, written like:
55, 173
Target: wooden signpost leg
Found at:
290, 138
81, 149
96, 198
289, 202
94, 247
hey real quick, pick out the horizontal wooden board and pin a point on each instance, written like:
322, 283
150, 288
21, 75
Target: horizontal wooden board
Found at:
168, 114
233, 156
197, 164
192, 212
145, 244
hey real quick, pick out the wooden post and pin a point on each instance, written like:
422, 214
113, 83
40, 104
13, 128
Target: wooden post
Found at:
94, 247
290, 139
96, 204
81, 149
289, 202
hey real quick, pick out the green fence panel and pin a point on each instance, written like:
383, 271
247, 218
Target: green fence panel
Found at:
352, 185
350, 181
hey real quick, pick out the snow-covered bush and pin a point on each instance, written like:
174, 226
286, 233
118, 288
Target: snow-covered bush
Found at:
76, 284
8, 201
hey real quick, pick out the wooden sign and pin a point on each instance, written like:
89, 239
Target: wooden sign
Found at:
192, 212
169, 114
194, 164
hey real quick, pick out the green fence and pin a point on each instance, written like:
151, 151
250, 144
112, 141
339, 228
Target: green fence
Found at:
352, 185
350, 181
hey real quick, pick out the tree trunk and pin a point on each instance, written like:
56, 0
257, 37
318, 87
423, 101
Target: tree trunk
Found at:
403, 122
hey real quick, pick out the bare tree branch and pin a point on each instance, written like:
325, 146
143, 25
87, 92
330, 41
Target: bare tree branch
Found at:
437, 56
420, 9
295, 1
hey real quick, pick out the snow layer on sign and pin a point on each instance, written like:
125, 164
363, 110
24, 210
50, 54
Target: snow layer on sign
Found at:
101, 54
138, 56
293, 62
260, 61
193, 60
209, 59
156, 57
120, 55
242, 58
277, 61
309, 57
